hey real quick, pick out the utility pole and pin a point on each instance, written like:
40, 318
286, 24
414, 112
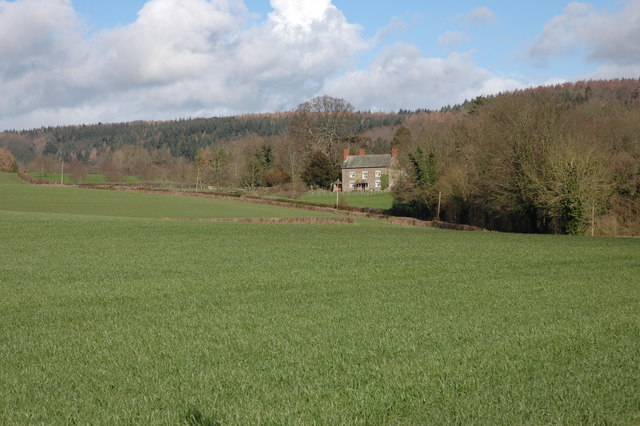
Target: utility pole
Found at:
593, 219
62, 174
439, 200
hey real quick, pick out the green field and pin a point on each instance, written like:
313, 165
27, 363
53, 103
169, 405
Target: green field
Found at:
120, 318
374, 200
17, 196
69, 179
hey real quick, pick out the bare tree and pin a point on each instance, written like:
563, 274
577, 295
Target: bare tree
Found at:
321, 123
77, 170
576, 180
291, 155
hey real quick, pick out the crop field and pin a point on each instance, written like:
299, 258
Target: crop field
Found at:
69, 179
17, 196
122, 318
374, 200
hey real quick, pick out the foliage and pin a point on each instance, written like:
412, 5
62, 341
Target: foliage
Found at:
417, 196
402, 138
541, 160
7, 161
50, 148
423, 169
502, 162
384, 181
277, 177
77, 170
259, 162
218, 163
321, 123
319, 171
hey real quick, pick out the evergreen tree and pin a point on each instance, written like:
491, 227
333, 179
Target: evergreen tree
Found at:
319, 171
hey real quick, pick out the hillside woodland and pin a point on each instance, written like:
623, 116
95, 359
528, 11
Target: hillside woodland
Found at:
559, 159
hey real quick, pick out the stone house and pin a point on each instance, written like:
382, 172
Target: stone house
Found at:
369, 172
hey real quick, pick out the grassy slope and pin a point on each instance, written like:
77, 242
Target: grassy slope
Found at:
375, 200
16, 196
108, 319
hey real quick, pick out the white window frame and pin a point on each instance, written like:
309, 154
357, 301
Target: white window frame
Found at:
352, 184
378, 173
352, 175
378, 183
365, 174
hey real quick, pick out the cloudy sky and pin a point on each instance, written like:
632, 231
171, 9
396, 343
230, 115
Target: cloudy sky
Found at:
88, 61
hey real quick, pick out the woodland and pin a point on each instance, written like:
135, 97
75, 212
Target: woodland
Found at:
561, 159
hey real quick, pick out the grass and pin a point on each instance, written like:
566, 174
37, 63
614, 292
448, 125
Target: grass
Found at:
16, 196
69, 179
108, 319
374, 200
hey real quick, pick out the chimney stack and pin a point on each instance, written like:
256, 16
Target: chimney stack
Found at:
361, 152
345, 154
394, 151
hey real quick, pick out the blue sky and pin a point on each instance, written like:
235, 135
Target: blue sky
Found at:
83, 61
497, 45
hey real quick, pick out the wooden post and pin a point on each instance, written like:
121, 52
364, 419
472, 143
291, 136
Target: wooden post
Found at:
197, 177
62, 174
593, 219
439, 200
337, 195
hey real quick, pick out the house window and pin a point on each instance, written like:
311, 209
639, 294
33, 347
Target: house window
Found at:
378, 184
365, 175
378, 173
352, 175
351, 185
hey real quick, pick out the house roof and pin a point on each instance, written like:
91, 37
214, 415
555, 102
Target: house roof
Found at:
367, 161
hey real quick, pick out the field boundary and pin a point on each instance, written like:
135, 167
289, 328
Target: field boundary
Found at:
287, 220
363, 212
394, 220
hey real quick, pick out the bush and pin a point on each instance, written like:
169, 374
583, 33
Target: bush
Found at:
7, 161
319, 171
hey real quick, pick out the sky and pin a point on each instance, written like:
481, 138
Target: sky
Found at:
87, 61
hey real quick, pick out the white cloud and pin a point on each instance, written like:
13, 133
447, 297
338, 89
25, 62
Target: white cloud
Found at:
40, 46
182, 58
481, 14
608, 39
27, 26
297, 14
615, 71
402, 78
169, 41
452, 39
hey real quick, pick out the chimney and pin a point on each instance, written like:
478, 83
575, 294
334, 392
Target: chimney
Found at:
394, 151
361, 152
345, 154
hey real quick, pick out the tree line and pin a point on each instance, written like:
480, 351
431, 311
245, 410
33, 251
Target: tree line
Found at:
251, 151
559, 159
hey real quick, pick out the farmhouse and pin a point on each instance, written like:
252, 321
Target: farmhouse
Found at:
369, 172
